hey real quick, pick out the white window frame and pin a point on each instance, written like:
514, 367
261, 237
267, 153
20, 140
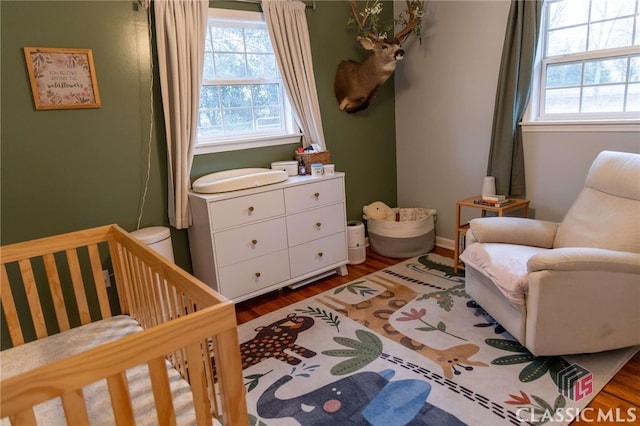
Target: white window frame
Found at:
292, 133
535, 116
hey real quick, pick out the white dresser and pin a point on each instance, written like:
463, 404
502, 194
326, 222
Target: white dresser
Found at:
249, 242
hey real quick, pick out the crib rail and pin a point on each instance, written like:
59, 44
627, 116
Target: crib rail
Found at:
184, 321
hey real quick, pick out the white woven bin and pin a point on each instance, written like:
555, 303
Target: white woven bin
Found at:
402, 239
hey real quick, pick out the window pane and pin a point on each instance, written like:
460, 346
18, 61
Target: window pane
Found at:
227, 39
210, 122
633, 98
257, 40
266, 94
230, 65
209, 97
568, 13
603, 98
562, 101
564, 75
606, 9
268, 118
236, 96
634, 69
569, 40
262, 66
605, 71
208, 70
611, 34
238, 120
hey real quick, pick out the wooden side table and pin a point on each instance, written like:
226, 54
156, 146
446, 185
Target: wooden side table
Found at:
461, 230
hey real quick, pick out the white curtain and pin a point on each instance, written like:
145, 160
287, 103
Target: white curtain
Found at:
180, 35
287, 24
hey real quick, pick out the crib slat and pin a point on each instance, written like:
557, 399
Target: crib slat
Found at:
198, 384
75, 410
32, 297
26, 418
101, 289
78, 286
10, 312
162, 391
120, 399
122, 278
56, 291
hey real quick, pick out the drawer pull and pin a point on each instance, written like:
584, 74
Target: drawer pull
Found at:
251, 208
257, 274
254, 242
318, 224
321, 254
316, 195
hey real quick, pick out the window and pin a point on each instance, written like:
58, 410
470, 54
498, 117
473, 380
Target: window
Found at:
242, 101
591, 61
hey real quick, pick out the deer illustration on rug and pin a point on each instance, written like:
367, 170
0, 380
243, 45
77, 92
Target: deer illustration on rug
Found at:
374, 313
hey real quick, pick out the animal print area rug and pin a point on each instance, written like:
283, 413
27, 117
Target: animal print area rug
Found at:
407, 346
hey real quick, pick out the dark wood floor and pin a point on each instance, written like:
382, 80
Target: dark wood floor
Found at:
621, 394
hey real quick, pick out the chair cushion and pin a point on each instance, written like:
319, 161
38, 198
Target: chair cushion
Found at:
599, 220
606, 213
504, 264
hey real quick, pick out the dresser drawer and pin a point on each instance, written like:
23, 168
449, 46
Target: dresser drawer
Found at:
246, 209
318, 254
315, 194
313, 224
255, 274
239, 244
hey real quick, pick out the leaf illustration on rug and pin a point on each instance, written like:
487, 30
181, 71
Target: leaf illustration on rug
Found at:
328, 317
356, 288
540, 413
538, 366
415, 314
254, 380
443, 298
429, 266
479, 311
366, 349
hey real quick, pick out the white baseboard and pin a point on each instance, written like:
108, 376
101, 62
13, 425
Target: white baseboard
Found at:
445, 243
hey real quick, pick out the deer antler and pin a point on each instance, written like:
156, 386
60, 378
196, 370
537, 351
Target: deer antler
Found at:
414, 9
361, 19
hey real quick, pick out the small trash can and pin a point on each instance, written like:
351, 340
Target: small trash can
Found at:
356, 242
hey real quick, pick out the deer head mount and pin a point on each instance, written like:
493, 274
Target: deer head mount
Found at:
357, 82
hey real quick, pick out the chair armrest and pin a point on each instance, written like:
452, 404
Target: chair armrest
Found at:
585, 259
514, 230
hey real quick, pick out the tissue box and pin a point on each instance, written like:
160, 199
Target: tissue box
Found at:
309, 158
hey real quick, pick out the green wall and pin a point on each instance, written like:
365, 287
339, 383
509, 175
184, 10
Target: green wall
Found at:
64, 170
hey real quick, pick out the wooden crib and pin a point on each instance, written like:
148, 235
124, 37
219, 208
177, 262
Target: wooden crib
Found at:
55, 284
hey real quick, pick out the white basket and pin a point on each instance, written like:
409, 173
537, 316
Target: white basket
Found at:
402, 239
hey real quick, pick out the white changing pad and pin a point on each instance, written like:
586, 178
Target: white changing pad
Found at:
40, 352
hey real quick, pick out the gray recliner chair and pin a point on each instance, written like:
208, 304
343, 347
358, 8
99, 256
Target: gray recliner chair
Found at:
569, 287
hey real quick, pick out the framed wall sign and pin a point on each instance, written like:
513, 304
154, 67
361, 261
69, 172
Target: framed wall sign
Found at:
62, 78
